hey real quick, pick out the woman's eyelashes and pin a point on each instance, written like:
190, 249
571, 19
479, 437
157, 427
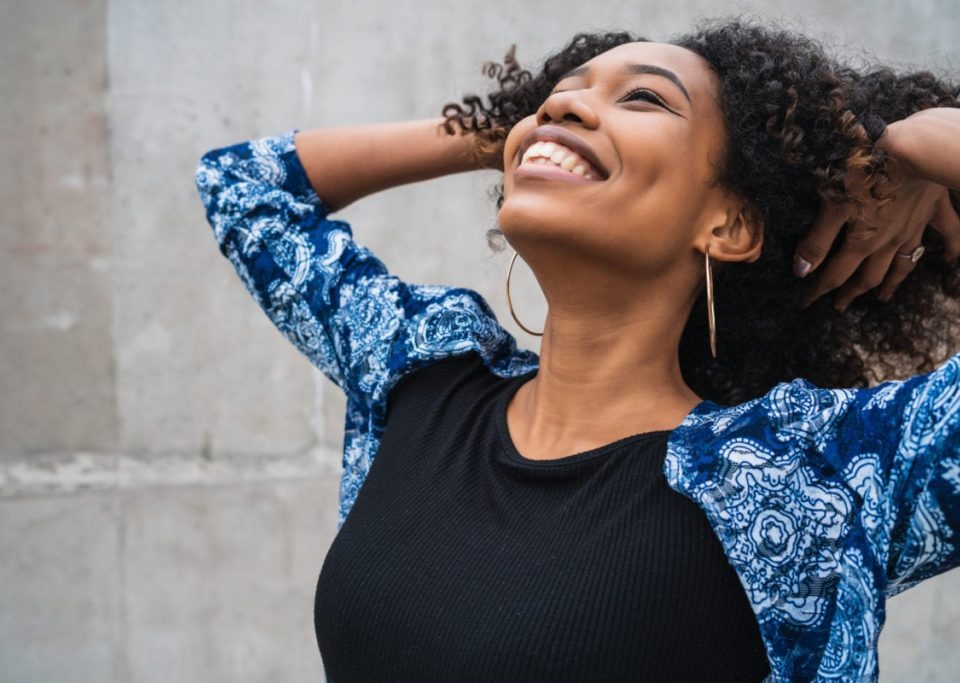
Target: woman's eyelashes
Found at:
642, 93
645, 94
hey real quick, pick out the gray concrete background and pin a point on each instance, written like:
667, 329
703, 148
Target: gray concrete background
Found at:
168, 462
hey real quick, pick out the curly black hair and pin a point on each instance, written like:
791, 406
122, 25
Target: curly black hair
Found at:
797, 121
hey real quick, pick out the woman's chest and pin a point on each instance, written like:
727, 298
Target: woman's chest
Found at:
457, 563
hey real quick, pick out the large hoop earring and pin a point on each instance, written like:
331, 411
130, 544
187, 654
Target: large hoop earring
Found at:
711, 316
510, 303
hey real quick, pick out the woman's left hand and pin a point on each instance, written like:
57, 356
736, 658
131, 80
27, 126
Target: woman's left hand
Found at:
868, 258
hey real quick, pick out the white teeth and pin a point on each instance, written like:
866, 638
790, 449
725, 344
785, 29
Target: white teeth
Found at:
543, 152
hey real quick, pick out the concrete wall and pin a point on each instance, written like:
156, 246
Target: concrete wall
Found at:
168, 462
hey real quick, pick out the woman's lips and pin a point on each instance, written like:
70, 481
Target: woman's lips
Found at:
554, 133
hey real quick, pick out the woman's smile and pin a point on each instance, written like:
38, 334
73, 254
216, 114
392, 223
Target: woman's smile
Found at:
552, 145
557, 154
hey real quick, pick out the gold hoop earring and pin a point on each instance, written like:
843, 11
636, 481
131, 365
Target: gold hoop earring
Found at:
711, 316
510, 303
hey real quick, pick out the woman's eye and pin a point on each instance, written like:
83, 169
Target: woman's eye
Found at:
637, 93
644, 94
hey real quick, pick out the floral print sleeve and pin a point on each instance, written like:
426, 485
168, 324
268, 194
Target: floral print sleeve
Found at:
330, 296
902, 444
827, 502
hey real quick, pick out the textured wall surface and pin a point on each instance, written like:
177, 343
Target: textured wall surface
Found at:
168, 462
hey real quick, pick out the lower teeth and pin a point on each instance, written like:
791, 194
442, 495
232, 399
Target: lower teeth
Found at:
546, 162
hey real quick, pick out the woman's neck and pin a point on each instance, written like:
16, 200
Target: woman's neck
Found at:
598, 382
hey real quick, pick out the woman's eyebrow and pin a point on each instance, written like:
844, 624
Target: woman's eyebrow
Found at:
633, 68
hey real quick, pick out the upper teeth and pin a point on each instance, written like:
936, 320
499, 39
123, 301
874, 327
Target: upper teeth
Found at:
552, 152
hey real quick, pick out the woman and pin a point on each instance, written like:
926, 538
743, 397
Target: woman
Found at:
665, 492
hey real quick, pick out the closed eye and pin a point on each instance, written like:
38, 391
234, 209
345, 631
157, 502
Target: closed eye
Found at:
644, 94
639, 94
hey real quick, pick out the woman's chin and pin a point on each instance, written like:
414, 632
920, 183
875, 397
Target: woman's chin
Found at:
521, 220
539, 218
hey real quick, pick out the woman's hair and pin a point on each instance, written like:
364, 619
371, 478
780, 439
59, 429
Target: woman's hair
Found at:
797, 121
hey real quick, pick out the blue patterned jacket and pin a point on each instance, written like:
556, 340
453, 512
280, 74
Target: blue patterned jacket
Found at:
826, 501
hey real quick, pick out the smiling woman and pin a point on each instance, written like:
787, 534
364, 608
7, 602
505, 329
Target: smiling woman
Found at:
773, 123
626, 505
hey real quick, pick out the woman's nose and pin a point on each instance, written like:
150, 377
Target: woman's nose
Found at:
567, 106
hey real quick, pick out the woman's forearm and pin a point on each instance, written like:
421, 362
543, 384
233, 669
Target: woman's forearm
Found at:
346, 163
929, 142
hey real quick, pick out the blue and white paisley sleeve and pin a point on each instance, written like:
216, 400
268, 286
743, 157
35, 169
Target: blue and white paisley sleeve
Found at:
300, 267
902, 442
330, 296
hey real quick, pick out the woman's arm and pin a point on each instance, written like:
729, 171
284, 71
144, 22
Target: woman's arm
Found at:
899, 447
349, 162
928, 144
331, 296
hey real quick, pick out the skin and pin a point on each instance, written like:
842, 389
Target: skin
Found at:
621, 261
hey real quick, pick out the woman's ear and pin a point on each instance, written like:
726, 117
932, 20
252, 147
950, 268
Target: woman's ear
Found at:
739, 238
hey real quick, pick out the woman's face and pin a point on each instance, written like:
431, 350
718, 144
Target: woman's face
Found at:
649, 113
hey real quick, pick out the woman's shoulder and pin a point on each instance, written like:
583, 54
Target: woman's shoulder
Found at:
863, 436
440, 322
802, 408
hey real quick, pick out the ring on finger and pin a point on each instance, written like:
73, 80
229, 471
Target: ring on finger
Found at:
914, 255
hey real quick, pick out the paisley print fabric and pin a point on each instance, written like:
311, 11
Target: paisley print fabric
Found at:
826, 501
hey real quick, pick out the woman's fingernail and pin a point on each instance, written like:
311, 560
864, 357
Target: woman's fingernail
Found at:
800, 266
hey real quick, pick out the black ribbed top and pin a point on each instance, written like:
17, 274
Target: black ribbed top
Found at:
461, 560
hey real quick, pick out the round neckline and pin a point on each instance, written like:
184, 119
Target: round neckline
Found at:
514, 454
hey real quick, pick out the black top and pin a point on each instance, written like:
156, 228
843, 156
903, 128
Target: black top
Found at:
461, 560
